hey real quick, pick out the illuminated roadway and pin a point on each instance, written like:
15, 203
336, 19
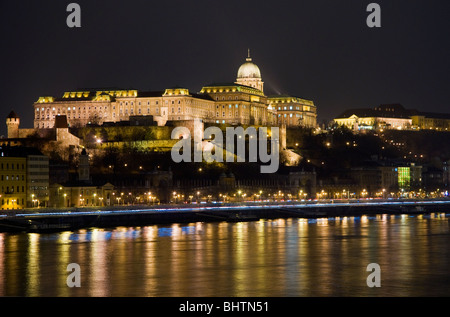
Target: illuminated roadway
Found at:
219, 206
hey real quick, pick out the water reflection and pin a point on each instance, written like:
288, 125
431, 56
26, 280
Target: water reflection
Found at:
282, 257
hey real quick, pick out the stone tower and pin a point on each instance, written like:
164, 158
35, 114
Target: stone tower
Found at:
83, 167
12, 123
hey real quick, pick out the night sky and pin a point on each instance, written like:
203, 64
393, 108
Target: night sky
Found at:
317, 49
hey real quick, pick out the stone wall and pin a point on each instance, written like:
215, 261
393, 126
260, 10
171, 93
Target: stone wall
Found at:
125, 133
145, 145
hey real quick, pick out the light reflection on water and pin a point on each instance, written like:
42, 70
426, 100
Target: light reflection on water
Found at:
282, 257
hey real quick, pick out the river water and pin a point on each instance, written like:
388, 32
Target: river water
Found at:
273, 258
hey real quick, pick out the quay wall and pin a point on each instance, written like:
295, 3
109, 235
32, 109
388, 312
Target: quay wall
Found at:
58, 220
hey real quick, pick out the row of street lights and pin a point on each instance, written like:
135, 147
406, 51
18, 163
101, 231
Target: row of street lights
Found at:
129, 198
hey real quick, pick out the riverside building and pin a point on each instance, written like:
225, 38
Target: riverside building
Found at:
392, 116
24, 178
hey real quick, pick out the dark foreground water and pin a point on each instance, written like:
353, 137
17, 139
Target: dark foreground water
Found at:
284, 257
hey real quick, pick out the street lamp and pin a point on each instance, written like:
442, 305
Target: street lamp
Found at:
149, 197
363, 193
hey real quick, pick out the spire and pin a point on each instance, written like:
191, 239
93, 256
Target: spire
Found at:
248, 59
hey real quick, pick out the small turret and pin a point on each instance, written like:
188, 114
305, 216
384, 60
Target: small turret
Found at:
13, 123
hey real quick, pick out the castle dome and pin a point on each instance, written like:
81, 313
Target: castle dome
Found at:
249, 69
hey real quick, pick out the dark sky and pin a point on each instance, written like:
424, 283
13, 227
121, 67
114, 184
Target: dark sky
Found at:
316, 49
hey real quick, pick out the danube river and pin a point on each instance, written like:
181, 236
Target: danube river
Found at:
273, 258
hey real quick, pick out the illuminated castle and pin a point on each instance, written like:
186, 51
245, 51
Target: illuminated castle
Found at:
238, 103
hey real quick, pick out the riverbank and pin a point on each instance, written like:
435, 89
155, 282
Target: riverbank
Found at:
46, 220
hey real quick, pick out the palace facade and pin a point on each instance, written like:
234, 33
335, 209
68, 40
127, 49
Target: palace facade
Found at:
393, 116
242, 102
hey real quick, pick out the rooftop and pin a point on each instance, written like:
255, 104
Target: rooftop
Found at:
229, 87
391, 111
12, 115
18, 151
384, 111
